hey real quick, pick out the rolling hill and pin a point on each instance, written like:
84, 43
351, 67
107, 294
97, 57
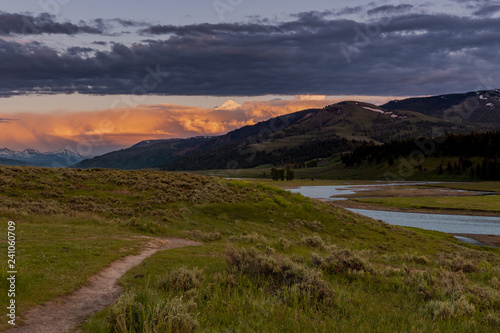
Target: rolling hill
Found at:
9, 161
296, 138
147, 154
268, 259
292, 138
308, 135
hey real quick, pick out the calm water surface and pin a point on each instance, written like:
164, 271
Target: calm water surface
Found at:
453, 224
439, 222
325, 192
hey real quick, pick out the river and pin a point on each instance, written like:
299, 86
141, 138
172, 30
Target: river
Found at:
456, 224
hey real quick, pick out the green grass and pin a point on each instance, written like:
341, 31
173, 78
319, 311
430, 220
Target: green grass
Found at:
309, 182
270, 260
489, 203
55, 256
477, 186
366, 299
333, 169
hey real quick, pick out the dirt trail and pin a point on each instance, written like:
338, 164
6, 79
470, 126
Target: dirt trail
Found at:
63, 314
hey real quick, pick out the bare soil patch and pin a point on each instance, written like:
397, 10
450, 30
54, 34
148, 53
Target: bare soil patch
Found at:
65, 313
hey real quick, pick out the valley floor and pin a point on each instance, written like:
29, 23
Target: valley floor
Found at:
270, 260
465, 198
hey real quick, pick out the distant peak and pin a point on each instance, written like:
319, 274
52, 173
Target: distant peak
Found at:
228, 105
64, 152
31, 151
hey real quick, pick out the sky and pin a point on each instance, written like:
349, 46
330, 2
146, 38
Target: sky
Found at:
68, 66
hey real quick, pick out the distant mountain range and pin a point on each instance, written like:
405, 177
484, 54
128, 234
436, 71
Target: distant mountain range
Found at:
303, 136
32, 157
295, 139
481, 107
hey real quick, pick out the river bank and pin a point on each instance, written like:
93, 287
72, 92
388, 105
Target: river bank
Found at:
469, 213
490, 240
355, 204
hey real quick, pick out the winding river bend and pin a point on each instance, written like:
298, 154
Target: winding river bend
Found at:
455, 224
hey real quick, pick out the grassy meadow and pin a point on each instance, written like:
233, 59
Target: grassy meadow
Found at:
332, 168
271, 261
489, 203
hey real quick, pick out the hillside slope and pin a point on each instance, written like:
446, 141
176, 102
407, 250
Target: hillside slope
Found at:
156, 153
313, 134
9, 161
481, 107
147, 154
293, 138
461, 157
296, 138
269, 258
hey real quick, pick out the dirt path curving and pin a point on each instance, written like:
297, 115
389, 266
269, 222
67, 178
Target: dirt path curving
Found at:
63, 314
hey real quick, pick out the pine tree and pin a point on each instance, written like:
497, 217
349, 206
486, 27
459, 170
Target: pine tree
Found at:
274, 174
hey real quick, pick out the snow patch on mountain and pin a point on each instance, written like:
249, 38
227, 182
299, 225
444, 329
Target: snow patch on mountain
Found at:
58, 158
229, 105
374, 110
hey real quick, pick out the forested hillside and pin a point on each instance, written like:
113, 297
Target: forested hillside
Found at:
475, 155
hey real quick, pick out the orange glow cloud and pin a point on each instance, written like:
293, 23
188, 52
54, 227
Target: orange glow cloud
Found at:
96, 132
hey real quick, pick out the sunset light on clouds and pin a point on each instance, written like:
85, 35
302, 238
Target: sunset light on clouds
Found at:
94, 132
250, 165
64, 65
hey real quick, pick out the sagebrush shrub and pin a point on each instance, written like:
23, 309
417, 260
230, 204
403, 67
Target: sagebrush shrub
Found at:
314, 241
181, 278
436, 284
253, 238
442, 310
204, 236
147, 311
281, 272
285, 244
341, 261
456, 262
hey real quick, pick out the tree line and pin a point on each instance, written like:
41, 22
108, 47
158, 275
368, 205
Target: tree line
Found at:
282, 174
475, 154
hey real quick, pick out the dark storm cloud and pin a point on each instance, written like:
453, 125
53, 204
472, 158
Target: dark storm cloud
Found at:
312, 15
129, 23
76, 50
402, 54
43, 23
389, 9
211, 29
7, 120
483, 8
487, 10
349, 11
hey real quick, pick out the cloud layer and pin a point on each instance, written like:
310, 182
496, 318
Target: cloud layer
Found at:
98, 132
394, 51
13, 23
